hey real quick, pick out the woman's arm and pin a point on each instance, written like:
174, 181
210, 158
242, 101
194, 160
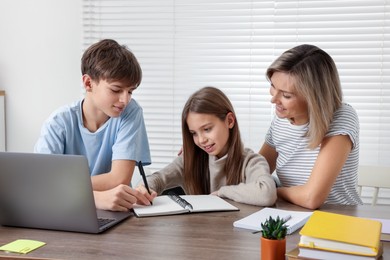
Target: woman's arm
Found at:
333, 154
270, 155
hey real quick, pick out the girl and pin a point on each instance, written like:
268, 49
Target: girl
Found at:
214, 159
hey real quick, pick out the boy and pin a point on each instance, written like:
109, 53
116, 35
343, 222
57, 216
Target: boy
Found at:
104, 126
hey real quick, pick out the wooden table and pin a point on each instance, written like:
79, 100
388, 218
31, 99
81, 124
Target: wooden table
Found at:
190, 236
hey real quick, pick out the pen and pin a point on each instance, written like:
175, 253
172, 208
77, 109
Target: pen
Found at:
142, 172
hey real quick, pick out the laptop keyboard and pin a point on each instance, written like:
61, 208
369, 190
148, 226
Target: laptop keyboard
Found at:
104, 221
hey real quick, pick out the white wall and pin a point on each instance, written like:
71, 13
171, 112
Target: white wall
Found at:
40, 51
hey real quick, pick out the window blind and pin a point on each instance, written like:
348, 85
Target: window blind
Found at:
185, 45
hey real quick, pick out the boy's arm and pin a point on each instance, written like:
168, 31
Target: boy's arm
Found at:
112, 190
121, 173
121, 198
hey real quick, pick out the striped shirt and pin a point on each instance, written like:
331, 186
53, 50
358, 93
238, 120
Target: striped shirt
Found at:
295, 160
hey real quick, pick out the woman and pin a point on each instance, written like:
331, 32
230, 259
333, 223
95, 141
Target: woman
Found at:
313, 142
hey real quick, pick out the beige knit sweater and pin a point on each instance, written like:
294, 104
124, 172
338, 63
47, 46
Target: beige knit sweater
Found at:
257, 187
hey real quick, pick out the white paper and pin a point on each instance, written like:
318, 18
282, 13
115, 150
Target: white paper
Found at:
253, 221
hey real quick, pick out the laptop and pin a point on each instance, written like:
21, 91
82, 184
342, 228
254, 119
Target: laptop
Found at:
50, 191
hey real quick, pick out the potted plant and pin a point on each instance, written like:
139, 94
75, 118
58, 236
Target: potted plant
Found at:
273, 239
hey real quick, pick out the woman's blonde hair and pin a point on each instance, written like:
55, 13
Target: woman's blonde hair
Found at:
317, 80
209, 100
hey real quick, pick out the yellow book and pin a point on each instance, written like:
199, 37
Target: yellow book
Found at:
341, 233
310, 254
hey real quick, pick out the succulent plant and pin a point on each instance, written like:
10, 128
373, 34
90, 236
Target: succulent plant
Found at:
274, 228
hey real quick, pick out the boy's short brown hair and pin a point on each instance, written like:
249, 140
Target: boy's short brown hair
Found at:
110, 61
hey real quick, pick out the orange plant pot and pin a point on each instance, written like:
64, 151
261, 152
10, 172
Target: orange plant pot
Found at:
272, 249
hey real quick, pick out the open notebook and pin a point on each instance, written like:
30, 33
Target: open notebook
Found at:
253, 222
174, 204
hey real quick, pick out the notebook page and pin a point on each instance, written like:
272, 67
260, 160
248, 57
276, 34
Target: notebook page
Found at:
203, 203
162, 205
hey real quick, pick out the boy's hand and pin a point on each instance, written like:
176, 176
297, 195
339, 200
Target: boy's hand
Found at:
121, 198
141, 188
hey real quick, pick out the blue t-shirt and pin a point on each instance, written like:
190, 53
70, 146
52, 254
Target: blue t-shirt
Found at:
120, 138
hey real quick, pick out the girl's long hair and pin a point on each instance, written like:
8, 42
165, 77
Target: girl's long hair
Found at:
209, 100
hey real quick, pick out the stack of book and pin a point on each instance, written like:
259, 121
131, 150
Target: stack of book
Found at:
334, 236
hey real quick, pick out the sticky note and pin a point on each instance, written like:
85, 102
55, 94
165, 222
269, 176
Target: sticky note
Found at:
22, 246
